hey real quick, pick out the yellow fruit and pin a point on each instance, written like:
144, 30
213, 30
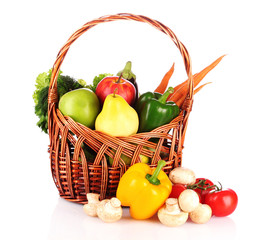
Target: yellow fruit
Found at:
144, 159
117, 117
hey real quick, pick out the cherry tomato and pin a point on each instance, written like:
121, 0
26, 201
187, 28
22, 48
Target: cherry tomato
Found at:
203, 183
223, 202
177, 189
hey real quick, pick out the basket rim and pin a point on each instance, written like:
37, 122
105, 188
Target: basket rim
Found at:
53, 95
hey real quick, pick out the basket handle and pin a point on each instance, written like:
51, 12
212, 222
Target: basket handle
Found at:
53, 95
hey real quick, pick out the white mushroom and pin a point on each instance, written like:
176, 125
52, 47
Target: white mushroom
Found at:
171, 215
91, 207
201, 214
188, 200
109, 210
182, 175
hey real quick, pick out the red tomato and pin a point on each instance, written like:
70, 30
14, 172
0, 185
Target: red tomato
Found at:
205, 183
223, 202
177, 189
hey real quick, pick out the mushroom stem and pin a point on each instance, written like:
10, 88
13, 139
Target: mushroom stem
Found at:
93, 197
171, 205
91, 207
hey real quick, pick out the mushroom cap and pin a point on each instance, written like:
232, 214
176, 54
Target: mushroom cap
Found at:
201, 214
109, 210
115, 202
90, 209
182, 175
188, 200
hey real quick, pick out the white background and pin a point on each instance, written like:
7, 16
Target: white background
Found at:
223, 138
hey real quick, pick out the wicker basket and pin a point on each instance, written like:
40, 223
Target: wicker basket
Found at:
73, 177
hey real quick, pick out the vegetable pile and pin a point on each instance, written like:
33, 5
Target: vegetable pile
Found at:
174, 198
112, 104
222, 202
107, 100
125, 82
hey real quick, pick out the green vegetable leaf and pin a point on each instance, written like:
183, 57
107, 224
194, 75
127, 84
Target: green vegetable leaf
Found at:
64, 85
40, 95
42, 81
97, 79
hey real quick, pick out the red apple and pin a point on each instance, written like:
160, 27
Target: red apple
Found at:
124, 88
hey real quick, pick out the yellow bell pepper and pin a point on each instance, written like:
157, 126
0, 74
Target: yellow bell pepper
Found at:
144, 189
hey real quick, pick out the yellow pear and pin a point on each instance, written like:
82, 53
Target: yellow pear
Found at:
117, 117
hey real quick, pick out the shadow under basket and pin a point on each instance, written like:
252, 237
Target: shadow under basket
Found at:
74, 172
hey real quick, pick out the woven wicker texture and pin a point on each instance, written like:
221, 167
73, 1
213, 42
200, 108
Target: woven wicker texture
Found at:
74, 175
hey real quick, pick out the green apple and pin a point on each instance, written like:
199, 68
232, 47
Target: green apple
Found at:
82, 105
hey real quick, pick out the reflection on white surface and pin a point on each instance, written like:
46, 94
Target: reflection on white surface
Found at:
70, 222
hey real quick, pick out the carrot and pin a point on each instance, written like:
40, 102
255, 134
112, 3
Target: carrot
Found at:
181, 100
179, 93
182, 88
165, 81
199, 88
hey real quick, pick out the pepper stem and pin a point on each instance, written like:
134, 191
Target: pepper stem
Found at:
165, 95
153, 179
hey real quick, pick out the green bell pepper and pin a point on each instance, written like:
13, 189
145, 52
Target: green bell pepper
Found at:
154, 110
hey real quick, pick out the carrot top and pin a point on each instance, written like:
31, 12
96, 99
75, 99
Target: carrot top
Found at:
182, 89
165, 81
